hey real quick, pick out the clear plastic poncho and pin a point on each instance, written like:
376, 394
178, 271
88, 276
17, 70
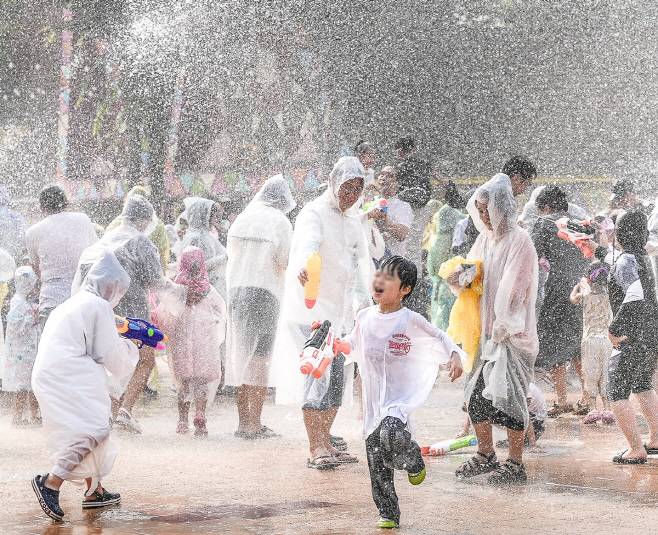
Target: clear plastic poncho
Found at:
78, 347
197, 214
258, 246
339, 239
509, 343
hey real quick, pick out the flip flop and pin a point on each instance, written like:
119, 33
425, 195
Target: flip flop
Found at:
651, 451
263, 432
344, 461
322, 466
619, 459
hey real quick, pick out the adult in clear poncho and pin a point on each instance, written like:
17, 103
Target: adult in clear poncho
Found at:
12, 227
141, 260
79, 345
202, 215
258, 247
441, 250
328, 226
158, 234
496, 394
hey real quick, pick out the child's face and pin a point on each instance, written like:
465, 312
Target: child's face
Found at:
386, 288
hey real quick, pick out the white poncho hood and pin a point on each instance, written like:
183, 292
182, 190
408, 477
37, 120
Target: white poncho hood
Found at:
107, 279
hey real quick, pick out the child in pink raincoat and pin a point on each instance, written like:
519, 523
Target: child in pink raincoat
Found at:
195, 338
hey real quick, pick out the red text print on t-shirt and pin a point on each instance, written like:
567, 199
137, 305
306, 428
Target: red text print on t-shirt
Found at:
399, 345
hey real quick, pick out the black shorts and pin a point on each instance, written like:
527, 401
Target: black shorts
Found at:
481, 409
255, 313
631, 370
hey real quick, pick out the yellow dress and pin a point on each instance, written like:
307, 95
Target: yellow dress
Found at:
465, 327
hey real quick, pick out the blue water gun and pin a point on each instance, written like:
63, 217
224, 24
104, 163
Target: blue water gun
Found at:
142, 330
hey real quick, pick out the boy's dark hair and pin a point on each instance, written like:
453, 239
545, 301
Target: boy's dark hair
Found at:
53, 199
362, 147
521, 166
405, 144
553, 197
405, 269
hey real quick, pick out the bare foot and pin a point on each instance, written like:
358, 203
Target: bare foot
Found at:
635, 454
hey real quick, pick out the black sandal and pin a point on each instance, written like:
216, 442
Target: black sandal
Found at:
509, 473
619, 459
475, 467
651, 451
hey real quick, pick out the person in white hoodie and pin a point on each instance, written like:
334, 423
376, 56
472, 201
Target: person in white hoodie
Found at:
79, 345
328, 226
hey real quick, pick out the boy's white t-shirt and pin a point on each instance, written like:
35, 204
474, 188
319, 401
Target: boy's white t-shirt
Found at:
398, 356
537, 403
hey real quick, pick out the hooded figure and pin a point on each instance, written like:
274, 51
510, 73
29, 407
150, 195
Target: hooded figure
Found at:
12, 227
258, 247
508, 344
136, 254
198, 215
22, 332
337, 235
79, 345
157, 234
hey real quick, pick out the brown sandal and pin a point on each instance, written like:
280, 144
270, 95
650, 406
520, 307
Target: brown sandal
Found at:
557, 410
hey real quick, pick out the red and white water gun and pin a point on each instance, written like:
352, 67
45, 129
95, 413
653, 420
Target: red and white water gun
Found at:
577, 232
320, 349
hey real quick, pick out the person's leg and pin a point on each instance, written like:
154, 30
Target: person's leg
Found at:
484, 434
242, 400
625, 416
516, 440
53, 482
201, 398
19, 406
314, 422
256, 396
559, 377
139, 378
577, 364
381, 479
649, 406
34, 406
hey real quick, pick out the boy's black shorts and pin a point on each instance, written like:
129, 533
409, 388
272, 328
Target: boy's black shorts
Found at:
481, 410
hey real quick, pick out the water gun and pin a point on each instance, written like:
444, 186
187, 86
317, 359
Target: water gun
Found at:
577, 232
142, 330
446, 446
380, 203
312, 287
320, 349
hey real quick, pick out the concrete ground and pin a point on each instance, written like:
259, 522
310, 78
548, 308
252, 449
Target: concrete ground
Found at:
223, 484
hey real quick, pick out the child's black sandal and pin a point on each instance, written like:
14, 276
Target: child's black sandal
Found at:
475, 467
509, 473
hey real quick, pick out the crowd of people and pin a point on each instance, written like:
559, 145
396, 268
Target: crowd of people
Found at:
431, 277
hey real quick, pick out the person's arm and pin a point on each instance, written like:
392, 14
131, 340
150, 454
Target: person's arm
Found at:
576, 295
33, 254
397, 230
630, 315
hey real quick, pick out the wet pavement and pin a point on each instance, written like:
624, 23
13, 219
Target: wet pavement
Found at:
223, 484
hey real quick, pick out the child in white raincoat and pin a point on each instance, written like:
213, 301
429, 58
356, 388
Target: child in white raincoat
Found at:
79, 345
21, 342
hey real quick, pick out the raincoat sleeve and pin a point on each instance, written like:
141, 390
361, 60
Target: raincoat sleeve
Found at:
105, 346
355, 339
309, 231
516, 284
21, 318
444, 346
219, 312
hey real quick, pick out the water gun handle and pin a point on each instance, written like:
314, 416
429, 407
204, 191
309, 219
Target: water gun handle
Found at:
324, 364
586, 249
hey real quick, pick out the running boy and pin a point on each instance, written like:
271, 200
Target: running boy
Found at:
399, 353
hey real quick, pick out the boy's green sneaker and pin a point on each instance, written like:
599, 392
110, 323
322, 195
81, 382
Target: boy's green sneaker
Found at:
417, 478
386, 523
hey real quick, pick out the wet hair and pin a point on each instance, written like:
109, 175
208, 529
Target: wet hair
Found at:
362, 147
404, 268
597, 273
553, 197
453, 198
53, 199
631, 229
622, 187
521, 166
215, 210
405, 144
